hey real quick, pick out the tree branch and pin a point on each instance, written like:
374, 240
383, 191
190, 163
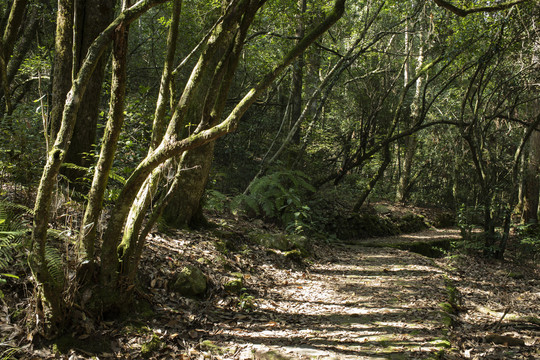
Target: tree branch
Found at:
464, 12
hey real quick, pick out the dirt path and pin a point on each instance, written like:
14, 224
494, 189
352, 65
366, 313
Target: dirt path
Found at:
374, 303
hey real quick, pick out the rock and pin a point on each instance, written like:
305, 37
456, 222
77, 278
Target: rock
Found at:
191, 281
301, 243
272, 241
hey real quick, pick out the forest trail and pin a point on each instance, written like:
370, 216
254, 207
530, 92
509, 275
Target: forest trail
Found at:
345, 302
375, 303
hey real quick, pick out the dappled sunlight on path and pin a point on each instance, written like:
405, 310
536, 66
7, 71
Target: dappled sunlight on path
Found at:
363, 303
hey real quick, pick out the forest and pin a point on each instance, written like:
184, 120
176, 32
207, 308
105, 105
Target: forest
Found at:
269, 179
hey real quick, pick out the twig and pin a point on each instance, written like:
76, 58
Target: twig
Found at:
498, 324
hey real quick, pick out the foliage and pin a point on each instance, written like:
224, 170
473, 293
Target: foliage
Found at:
279, 196
529, 237
13, 232
14, 236
467, 218
215, 200
22, 147
478, 91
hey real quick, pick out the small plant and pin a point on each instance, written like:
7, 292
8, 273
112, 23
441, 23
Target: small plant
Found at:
247, 302
466, 216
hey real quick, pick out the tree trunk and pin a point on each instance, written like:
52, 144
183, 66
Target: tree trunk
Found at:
91, 17
7, 44
88, 231
49, 287
62, 65
532, 184
411, 141
297, 76
185, 208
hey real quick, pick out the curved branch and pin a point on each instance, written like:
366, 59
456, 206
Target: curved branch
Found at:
464, 12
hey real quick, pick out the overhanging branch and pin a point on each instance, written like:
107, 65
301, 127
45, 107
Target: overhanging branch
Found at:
464, 12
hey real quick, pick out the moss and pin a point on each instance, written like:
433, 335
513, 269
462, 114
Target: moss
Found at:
454, 296
434, 249
516, 276
446, 307
136, 328
208, 345
447, 320
443, 343
144, 309
191, 281
294, 255
204, 261
221, 246
152, 346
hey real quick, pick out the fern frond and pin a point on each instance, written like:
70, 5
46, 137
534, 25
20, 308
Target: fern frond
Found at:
63, 236
7, 206
12, 232
55, 265
75, 167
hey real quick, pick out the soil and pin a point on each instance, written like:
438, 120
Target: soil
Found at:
344, 301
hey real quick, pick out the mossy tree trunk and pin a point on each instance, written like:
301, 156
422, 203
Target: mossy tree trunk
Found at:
185, 208
172, 145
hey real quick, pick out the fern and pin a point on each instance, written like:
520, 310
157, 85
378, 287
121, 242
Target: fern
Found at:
112, 174
13, 231
55, 265
278, 196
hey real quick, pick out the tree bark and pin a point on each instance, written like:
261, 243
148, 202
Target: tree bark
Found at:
185, 207
88, 231
411, 141
297, 76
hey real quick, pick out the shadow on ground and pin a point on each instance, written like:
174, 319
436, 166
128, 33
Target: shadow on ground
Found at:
364, 303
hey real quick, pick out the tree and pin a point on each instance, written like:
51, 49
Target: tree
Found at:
122, 240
